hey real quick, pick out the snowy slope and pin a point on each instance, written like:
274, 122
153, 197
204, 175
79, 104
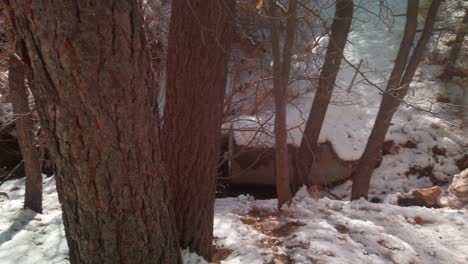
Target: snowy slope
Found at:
249, 231
328, 231
350, 117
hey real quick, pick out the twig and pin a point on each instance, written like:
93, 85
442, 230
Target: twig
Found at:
354, 77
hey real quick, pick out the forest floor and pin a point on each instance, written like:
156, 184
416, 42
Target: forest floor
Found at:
251, 231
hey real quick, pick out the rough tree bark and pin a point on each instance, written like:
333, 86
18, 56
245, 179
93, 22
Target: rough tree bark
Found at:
199, 44
24, 131
456, 48
396, 90
95, 94
338, 37
281, 71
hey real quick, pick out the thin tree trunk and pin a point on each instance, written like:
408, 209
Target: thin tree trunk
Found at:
199, 44
95, 94
338, 37
419, 49
456, 48
372, 153
24, 130
395, 92
281, 147
281, 72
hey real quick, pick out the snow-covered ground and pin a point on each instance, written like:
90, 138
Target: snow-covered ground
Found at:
329, 231
423, 122
375, 40
251, 231
27, 237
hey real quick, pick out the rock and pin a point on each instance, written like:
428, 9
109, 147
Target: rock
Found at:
256, 165
428, 196
462, 163
390, 148
418, 220
443, 99
410, 144
459, 186
421, 197
449, 200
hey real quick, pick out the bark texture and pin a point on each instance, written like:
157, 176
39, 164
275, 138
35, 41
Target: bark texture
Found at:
197, 60
309, 144
95, 93
397, 88
24, 130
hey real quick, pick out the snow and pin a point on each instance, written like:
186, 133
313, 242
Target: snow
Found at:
192, 258
392, 174
28, 237
350, 117
251, 231
330, 231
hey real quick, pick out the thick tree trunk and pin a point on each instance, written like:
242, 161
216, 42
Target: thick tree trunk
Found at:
24, 131
199, 44
338, 37
397, 88
456, 48
95, 93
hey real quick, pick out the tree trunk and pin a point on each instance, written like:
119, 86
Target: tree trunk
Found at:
456, 48
199, 44
418, 51
24, 130
397, 88
338, 37
281, 72
373, 151
95, 94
